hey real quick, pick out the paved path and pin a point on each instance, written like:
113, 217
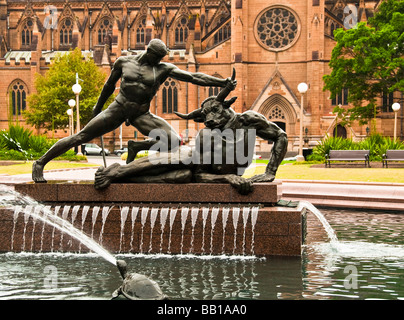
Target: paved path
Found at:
379, 196
337, 194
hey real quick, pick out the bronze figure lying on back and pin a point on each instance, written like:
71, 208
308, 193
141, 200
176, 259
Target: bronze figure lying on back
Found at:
224, 148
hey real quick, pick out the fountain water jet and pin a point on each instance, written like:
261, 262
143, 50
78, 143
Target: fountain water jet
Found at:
246, 213
213, 218
124, 216
153, 216
163, 220
184, 217
49, 217
133, 215
84, 213
225, 215
194, 217
205, 212
143, 217
330, 231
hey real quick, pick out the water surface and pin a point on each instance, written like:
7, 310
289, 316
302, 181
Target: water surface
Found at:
366, 263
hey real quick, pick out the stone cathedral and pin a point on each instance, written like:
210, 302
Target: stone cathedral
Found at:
273, 44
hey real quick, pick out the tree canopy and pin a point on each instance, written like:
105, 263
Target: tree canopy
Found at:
369, 60
48, 106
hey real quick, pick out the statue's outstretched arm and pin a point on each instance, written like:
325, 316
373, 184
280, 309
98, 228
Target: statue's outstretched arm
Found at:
197, 78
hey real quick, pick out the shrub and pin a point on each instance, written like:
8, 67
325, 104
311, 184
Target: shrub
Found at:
18, 143
376, 144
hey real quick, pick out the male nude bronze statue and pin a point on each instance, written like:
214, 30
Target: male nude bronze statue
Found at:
141, 77
191, 165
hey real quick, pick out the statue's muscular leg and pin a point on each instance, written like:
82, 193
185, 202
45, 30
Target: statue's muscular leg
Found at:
160, 131
106, 121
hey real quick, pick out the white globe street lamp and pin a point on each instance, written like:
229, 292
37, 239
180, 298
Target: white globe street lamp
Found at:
71, 103
302, 88
396, 106
76, 90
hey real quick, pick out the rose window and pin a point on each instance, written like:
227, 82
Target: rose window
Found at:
277, 29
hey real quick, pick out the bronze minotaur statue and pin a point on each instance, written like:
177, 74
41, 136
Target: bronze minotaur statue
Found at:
141, 77
223, 149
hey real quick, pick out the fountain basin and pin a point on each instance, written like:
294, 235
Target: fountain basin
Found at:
159, 218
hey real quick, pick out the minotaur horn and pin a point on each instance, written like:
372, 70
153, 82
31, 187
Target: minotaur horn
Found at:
195, 115
225, 91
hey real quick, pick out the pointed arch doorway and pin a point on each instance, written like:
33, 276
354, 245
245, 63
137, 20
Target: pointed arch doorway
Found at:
280, 111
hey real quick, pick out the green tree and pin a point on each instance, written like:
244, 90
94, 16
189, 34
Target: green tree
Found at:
368, 60
48, 106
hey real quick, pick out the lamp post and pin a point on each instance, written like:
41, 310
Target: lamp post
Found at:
302, 88
77, 89
396, 106
71, 103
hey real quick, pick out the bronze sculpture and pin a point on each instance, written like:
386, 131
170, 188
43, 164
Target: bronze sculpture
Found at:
141, 77
201, 164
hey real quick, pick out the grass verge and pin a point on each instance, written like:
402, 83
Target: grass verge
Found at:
26, 167
306, 172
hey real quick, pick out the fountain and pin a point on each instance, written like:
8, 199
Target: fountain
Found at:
200, 213
163, 219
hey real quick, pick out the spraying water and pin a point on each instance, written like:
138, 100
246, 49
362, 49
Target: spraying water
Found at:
153, 216
254, 217
246, 212
124, 216
163, 220
213, 218
133, 216
235, 215
49, 217
205, 212
194, 217
330, 231
143, 218
225, 215
184, 217
84, 213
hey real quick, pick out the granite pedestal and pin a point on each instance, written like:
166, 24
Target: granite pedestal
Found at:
159, 218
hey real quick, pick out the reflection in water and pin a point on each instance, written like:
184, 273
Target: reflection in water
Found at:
370, 251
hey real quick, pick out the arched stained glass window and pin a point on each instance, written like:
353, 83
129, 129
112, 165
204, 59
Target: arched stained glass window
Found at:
181, 31
18, 95
141, 32
104, 29
170, 96
66, 32
26, 32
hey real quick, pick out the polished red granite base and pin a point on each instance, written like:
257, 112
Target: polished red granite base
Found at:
265, 193
181, 219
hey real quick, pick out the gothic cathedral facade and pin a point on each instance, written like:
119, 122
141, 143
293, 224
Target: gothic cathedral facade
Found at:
273, 44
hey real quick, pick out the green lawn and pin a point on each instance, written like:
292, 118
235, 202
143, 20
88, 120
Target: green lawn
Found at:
306, 172
285, 171
26, 167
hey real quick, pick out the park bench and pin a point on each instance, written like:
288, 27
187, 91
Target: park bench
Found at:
347, 155
392, 155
